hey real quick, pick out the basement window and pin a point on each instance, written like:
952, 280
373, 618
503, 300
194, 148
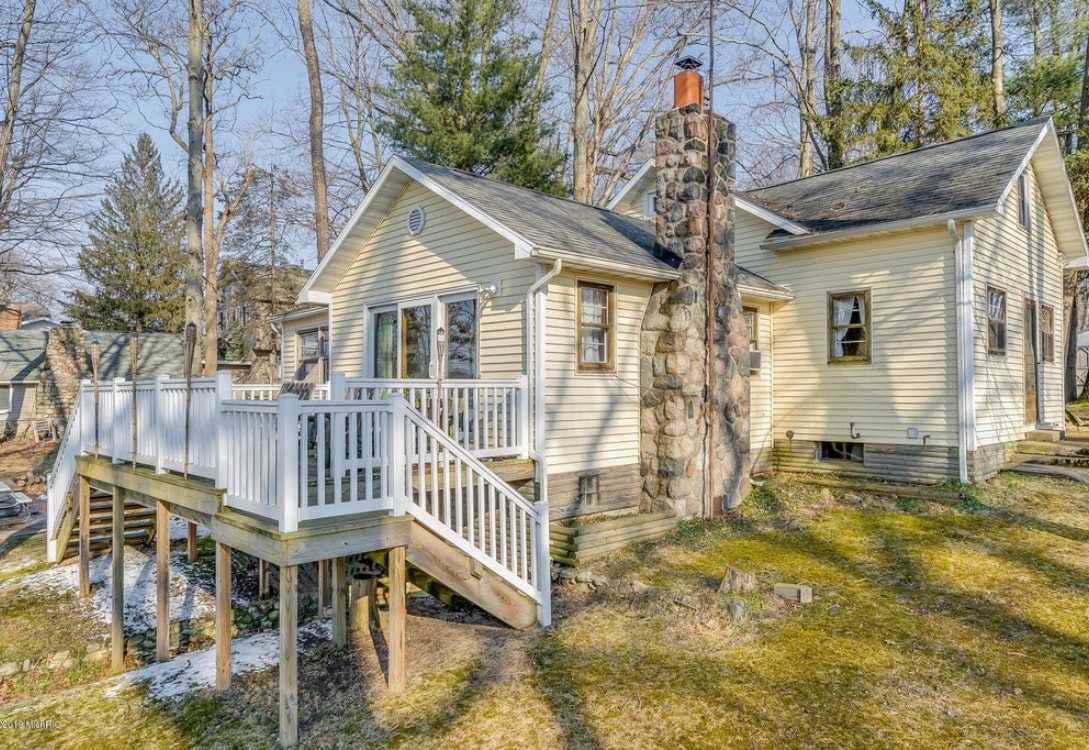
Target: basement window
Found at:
836, 451
588, 490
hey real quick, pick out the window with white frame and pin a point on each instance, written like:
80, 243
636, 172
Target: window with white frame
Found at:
996, 321
1024, 215
849, 326
750, 315
403, 337
1047, 333
596, 326
311, 352
649, 212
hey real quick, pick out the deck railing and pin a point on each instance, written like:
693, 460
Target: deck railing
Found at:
292, 461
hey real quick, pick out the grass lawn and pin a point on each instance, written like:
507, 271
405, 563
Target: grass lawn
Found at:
960, 624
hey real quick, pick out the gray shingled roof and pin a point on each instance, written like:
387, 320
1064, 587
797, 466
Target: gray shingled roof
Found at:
555, 223
21, 355
159, 354
966, 174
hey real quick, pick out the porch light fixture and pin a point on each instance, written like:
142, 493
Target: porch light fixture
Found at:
485, 290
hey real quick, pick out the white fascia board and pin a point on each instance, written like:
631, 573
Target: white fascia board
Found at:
314, 297
820, 238
522, 246
1000, 207
305, 294
627, 270
770, 216
639, 175
759, 293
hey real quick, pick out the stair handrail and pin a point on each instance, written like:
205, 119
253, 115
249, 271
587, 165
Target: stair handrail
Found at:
538, 586
60, 478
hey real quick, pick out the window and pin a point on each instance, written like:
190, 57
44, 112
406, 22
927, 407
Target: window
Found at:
5, 397
588, 490
1024, 216
996, 321
1047, 333
404, 337
849, 327
835, 451
595, 328
750, 314
648, 204
311, 351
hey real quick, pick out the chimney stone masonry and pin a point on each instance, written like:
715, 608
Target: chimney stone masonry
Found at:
694, 445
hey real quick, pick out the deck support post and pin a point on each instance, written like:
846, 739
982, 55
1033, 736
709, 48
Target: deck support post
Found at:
363, 604
223, 616
397, 618
289, 667
191, 541
323, 586
340, 597
162, 582
117, 630
263, 575
84, 538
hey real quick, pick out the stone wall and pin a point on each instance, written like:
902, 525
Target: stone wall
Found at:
683, 398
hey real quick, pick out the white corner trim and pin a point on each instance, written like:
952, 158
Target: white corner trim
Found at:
963, 246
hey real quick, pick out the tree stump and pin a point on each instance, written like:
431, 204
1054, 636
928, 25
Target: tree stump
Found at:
735, 581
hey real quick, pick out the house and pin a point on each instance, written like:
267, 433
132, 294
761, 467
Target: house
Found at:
40, 370
906, 312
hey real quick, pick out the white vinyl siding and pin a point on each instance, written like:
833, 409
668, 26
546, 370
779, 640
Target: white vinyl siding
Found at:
1026, 265
911, 378
453, 252
592, 417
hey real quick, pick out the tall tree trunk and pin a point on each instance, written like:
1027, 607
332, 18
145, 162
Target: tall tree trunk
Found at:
211, 241
833, 86
808, 105
194, 203
998, 86
1083, 106
582, 32
317, 128
11, 106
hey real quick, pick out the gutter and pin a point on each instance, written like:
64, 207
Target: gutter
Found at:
789, 243
631, 270
536, 299
966, 366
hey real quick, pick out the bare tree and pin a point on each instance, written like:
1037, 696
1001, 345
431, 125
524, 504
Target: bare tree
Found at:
317, 127
49, 139
998, 86
194, 213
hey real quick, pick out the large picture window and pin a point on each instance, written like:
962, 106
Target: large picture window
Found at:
403, 337
996, 321
596, 329
849, 327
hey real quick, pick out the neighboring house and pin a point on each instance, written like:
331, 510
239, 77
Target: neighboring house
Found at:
41, 369
907, 312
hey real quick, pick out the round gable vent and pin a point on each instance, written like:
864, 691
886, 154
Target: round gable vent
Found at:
416, 220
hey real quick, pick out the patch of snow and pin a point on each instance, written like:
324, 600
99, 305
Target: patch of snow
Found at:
179, 529
188, 599
197, 669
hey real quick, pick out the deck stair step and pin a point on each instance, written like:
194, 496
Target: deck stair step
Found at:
139, 527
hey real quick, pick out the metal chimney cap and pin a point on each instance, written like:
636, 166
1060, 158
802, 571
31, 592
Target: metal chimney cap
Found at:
688, 62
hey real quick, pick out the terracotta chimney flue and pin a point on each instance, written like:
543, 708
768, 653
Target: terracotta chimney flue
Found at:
687, 89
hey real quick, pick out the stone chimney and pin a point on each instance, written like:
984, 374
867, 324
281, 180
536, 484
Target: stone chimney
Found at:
66, 364
694, 419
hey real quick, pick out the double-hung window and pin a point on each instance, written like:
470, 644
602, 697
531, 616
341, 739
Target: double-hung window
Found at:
310, 352
1047, 333
849, 326
596, 326
996, 321
404, 340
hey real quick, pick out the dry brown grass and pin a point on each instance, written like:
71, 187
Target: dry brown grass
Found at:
934, 625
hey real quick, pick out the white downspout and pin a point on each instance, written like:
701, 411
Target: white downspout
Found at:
966, 364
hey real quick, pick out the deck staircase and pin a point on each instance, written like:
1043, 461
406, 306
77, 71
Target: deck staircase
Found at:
139, 526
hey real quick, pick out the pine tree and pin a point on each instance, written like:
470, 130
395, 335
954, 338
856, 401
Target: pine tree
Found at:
135, 262
465, 95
